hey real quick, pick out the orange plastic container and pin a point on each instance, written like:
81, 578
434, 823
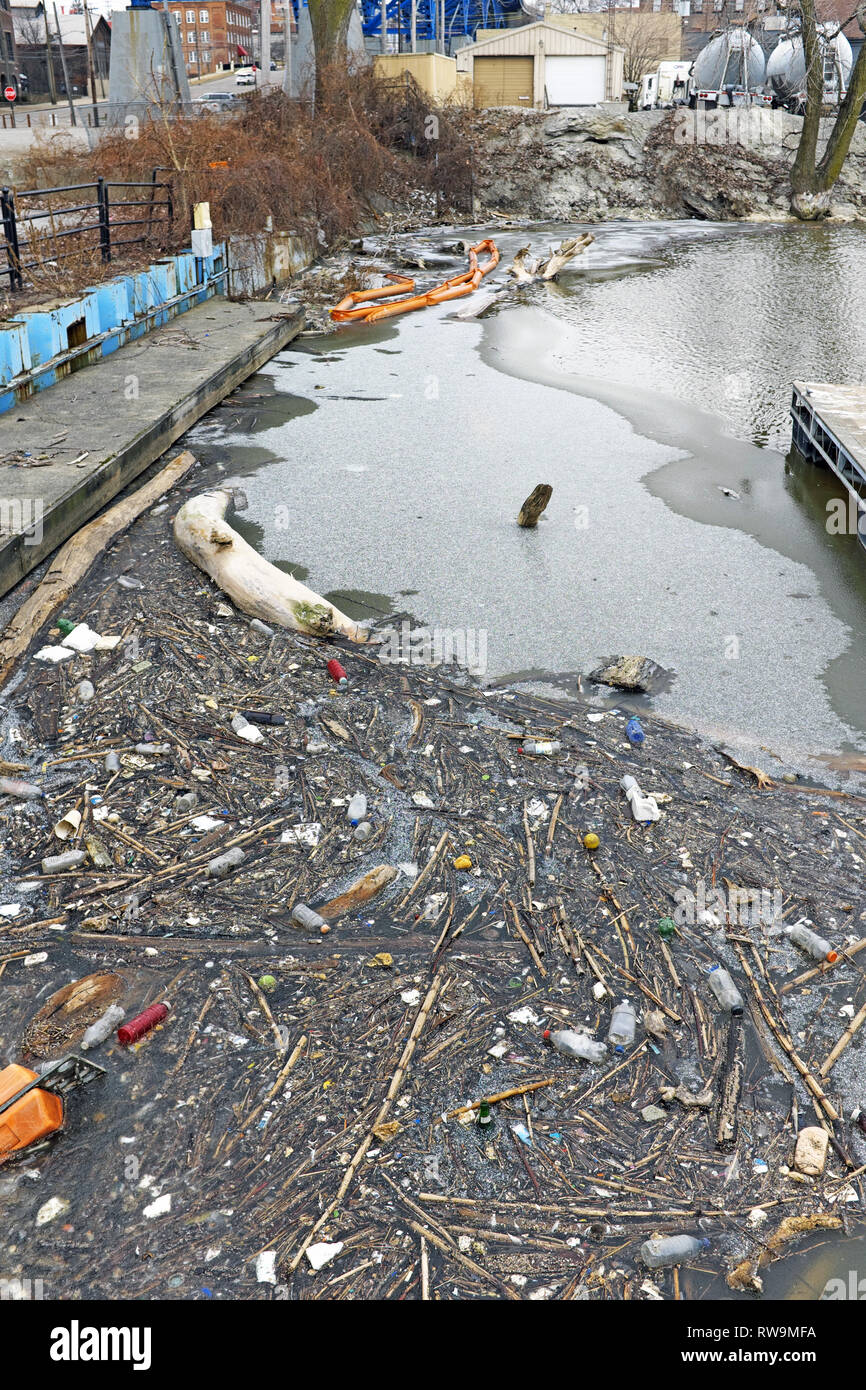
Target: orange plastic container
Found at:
34, 1116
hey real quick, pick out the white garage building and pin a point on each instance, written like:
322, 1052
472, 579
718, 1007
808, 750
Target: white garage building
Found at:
539, 65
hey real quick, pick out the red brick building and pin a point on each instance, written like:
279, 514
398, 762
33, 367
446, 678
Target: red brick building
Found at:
213, 33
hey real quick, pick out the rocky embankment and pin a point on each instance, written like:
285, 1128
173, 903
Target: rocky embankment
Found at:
593, 164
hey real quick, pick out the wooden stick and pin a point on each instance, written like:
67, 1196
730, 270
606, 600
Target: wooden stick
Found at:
362, 1148
298, 1049
530, 848
525, 939
492, 1100
463, 1260
784, 1042
425, 1271
75, 558
843, 1042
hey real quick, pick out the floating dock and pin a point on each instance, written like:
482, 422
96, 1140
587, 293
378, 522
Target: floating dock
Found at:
830, 428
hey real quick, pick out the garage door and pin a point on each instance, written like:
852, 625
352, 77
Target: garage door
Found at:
574, 81
503, 81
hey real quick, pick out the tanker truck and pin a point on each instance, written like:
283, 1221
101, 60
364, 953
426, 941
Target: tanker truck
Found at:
786, 68
729, 71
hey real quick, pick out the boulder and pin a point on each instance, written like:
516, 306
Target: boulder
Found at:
630, 673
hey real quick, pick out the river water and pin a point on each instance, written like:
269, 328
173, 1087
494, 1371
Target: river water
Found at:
386, 465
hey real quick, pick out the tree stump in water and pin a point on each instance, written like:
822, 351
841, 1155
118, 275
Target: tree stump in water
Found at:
534, 505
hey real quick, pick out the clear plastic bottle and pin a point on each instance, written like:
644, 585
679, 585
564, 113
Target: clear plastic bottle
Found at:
672, 1250
623, 1021
99, 1031
811, 942
304, 916
357, 808
363, 831
24, 791
725, 990
541, 747
572, 1044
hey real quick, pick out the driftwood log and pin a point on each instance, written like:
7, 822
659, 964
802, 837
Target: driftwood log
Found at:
730, 1088
74, 559
255, 585
534, 505
525, 268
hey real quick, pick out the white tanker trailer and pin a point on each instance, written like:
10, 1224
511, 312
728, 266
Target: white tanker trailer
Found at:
786, 68
729, 71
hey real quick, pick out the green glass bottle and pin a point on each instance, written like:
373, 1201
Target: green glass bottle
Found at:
485, 1119
666, 928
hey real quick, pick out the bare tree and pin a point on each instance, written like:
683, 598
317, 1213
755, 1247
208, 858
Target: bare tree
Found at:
813, 178
638, 32
329, 20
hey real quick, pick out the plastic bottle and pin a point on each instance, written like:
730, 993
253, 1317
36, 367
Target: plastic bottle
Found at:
112, 763
99, 1031
725, 990
245, 730
622, 1025
363, 831
643, 808
672, 1250
357, 808
56, 863
304, 916
541, 747
572, 1044
337, 673
137, 1027
811, 942
258, 626
24, 791
219, 867
634, 732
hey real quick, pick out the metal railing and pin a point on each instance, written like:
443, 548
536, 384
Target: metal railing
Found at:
45, 227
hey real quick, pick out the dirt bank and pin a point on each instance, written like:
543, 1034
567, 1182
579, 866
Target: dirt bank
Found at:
588, 165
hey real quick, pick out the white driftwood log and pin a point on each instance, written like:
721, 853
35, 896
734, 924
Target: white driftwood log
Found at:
255, 585
526, 269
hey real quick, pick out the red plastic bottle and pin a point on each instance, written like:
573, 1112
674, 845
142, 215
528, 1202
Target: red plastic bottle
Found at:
137, 1027
336, 672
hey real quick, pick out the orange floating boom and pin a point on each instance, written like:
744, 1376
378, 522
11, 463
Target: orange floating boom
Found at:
352, 306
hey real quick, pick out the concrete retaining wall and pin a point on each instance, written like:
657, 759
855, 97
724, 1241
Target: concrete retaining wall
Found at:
40, 346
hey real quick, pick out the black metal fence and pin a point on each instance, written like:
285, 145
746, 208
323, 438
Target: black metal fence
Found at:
38, 231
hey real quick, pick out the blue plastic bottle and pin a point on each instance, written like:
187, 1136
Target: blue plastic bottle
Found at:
634, 732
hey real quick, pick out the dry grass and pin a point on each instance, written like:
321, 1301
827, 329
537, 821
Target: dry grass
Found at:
369, 143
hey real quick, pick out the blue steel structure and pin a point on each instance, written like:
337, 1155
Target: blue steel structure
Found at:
461, 17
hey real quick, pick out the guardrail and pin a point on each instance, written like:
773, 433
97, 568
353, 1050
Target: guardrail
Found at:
44, 227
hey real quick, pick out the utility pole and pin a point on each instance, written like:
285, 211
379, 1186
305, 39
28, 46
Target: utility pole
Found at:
383, 37
288, 88
414, 32
72, 117
49, 61
265, 24
88, 35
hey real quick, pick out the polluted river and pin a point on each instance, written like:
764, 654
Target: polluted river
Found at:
340, 988
651, 376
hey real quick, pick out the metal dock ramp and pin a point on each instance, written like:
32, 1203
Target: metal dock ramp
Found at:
829, 427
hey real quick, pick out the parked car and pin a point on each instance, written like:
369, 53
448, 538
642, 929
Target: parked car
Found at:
245, 77
215, 101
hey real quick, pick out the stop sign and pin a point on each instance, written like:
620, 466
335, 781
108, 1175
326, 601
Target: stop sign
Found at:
9, 93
